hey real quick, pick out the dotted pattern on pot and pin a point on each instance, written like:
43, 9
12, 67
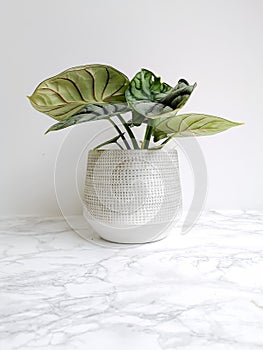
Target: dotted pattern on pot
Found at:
132, 187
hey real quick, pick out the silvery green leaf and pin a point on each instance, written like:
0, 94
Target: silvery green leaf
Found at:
146, 86
148, 108
90, 113
143, 92
178, 96
65, 94
149, 97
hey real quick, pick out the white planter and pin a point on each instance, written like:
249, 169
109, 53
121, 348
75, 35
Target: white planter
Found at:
132, 196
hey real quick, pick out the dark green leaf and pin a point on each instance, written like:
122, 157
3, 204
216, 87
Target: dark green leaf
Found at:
158, 135
143, 92
146, 86
149, 97
178, 96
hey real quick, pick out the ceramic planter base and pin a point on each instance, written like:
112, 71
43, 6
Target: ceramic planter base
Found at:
130, 233
132, 196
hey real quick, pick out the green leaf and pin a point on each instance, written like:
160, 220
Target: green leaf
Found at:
178, 96
149, 97
90, 113
143, 93
65, 94
146, 86
193, 125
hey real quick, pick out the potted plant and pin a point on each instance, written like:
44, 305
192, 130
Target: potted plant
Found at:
132, 190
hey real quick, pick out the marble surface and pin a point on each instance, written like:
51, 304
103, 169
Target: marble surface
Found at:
203, 290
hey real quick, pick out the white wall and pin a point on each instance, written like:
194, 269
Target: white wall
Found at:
216, 43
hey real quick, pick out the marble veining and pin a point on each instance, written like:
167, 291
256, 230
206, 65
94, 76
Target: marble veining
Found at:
200, 291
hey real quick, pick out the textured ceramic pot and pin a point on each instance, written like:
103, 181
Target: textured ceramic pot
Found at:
132, 196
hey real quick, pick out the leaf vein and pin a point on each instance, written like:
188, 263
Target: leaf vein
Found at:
106, 84
75, 85
93, 84
47, 88
196, 121
115, 91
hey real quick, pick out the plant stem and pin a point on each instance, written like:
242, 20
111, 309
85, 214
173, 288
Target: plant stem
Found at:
108, 142
120, 133
164, 142
167, 140
147, 136
117, 143
129, 131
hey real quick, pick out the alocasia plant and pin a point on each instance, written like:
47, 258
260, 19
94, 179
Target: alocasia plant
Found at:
96, 92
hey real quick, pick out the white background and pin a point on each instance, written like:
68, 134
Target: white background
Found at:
216, 43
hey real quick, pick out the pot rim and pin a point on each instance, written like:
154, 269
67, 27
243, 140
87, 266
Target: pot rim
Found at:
133, 150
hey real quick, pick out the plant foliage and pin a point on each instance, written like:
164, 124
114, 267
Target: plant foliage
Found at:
96, 92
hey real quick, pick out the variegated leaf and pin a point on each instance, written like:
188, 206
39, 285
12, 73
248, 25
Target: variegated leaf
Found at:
146, 86
90, 113
178, 96
143, 93
151, 98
